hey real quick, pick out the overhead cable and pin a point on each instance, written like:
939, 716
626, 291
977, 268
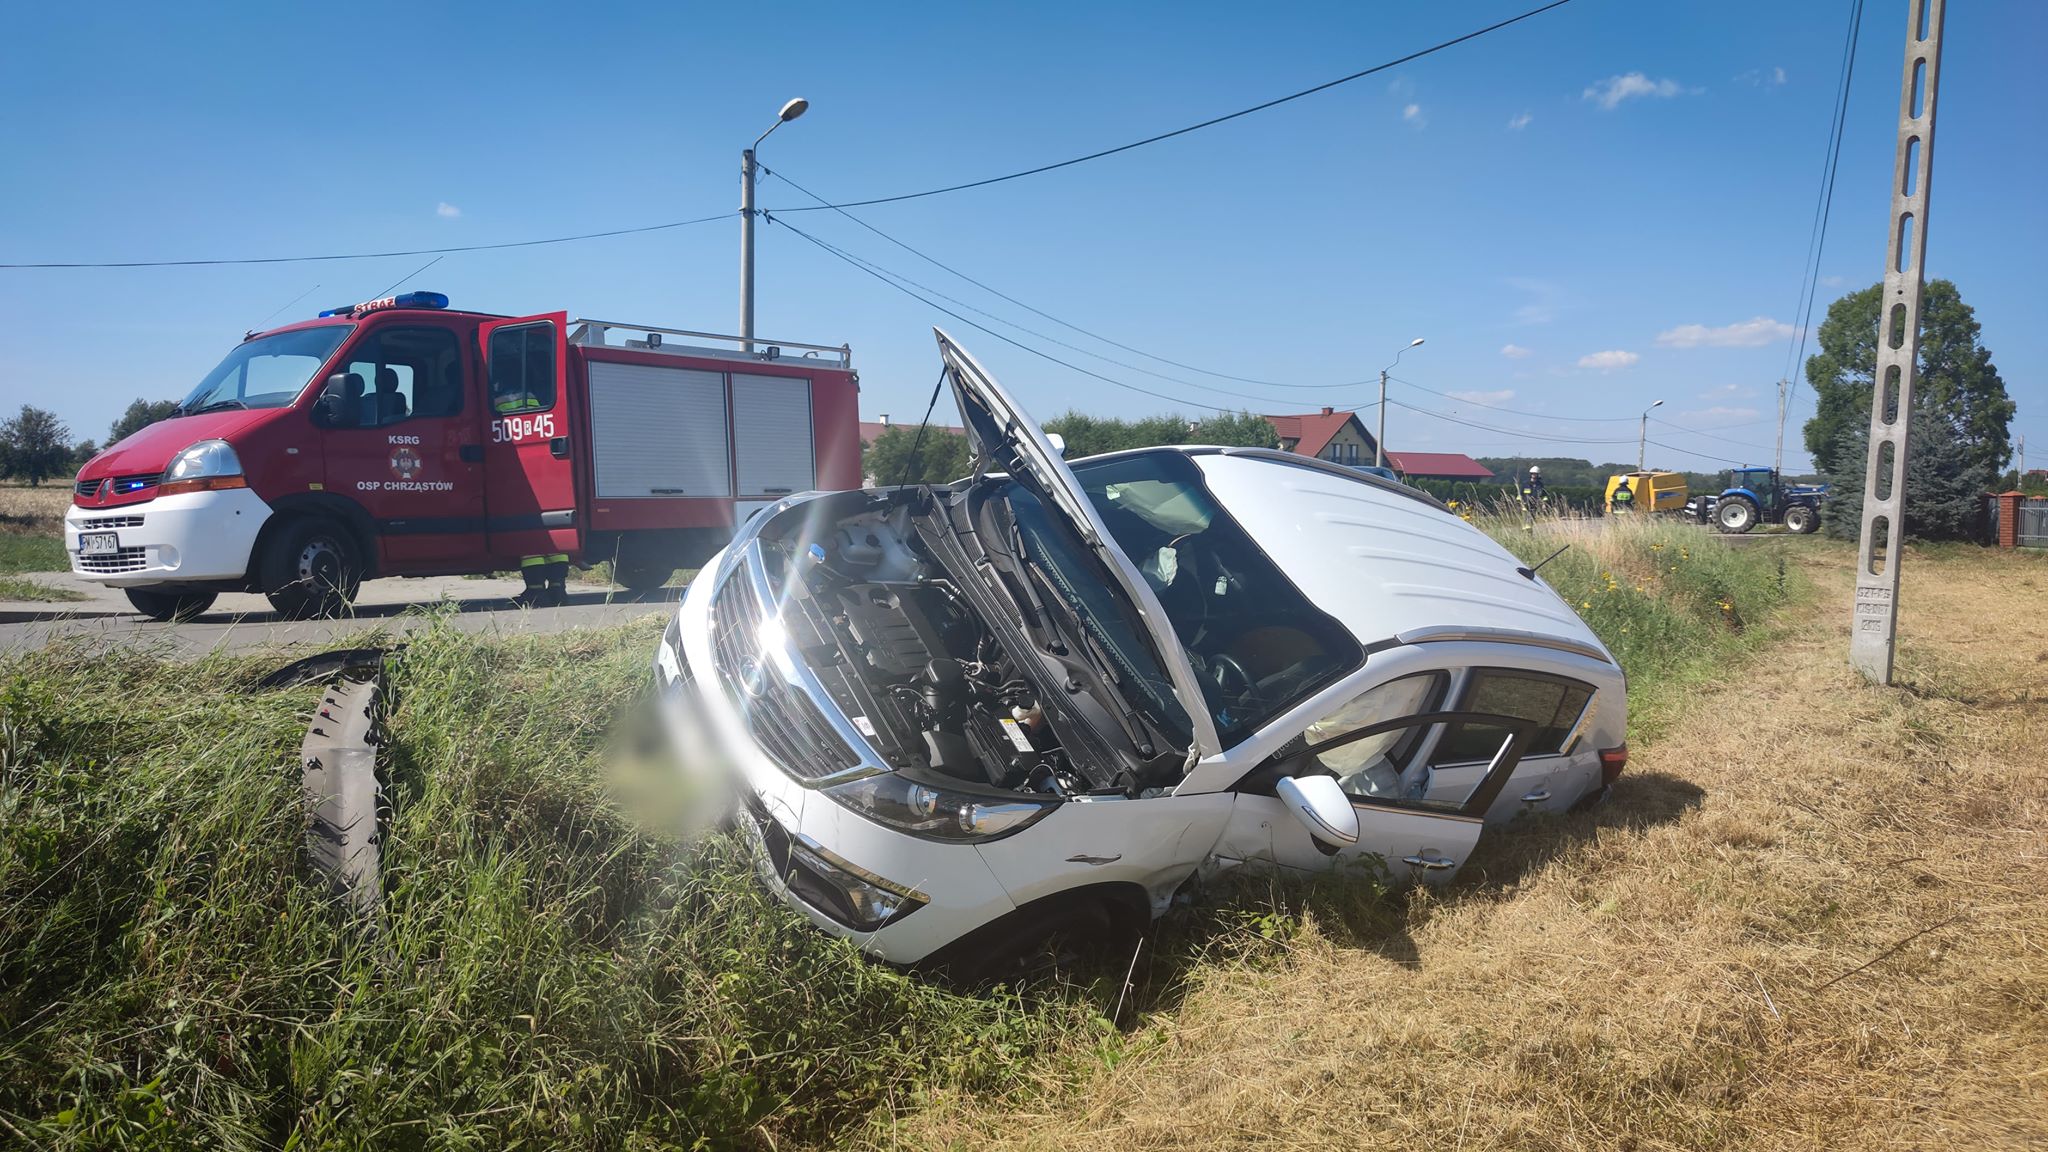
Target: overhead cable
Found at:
374, 255
1209, 123
996, 292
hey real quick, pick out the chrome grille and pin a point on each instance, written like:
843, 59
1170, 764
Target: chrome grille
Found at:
789, 726
96, 523
125, 560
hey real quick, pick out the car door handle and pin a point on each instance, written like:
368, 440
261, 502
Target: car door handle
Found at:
472, 453
1421, 861
559, 447
1537, 797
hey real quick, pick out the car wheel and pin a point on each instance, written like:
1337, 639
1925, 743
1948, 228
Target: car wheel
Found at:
1736, 515
169, 606
1029, 943
311, 568
1800, 519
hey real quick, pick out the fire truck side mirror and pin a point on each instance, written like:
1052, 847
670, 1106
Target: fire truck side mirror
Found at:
328, 410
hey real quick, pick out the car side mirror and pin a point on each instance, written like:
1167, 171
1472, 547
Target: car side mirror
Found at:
333, 396
1322, 807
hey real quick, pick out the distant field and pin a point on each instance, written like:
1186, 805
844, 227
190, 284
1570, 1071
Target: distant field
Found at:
32, 540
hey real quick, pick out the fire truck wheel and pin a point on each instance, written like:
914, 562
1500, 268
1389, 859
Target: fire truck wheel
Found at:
311, 569
168, 606
640, 574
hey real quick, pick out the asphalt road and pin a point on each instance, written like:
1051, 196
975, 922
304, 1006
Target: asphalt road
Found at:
239, 623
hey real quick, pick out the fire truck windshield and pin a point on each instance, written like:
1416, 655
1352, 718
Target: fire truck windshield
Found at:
268, 372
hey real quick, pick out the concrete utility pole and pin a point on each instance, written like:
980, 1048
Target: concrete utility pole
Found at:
1643, 440
1379, 442
790, 111
1874, 626
1778, 464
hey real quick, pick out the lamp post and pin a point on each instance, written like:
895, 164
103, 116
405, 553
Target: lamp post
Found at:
1642, 441
790, 111
1379, 442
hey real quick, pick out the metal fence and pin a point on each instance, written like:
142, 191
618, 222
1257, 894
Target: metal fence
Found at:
2033, 522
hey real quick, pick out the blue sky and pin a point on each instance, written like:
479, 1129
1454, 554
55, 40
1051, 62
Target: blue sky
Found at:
1598, 208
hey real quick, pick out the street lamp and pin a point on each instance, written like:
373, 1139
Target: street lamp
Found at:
790, 111
1379, 442
1644, 439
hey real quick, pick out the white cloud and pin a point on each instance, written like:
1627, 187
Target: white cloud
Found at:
1608, 361
1497, 396
1519, 121
1612, 91
1832, 281
1514, 351
1413, 114
1544, 303
447, 211
1760, 78
1727, 392
1746, 334
1778, 75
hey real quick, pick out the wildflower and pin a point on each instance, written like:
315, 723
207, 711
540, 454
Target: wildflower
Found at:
1585, 603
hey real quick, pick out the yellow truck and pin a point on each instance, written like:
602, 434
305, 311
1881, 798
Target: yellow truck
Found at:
1653, 492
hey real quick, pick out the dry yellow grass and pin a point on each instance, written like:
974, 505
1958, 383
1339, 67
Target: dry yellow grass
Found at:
1813, 917
35, 511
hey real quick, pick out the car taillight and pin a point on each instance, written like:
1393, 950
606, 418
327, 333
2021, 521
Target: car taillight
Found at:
1612, 761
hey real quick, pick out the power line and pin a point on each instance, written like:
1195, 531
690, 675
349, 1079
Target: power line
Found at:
1510, 431
1210, 123
1723, 428
871, 265
1514, 411
376, 255
1817, 237
855, 261
941, 265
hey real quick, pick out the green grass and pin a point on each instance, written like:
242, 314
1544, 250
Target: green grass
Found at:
22, 553
16, 588
550, 975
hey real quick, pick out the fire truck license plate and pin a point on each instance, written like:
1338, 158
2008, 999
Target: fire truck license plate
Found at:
98, 543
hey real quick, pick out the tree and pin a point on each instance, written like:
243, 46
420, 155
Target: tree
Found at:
1944, 495
941, 457
36, 445
84, 452
1955, 376
140, 414
1087, 435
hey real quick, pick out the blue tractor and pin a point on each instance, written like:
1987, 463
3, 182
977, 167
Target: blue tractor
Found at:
1758, 496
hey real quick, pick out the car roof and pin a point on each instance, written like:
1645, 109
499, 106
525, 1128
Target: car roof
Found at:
1383, 559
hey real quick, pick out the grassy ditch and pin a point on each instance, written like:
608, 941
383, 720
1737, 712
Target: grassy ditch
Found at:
551, 974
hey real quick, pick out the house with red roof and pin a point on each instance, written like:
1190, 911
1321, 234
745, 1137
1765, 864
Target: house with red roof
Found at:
1339, 437
1437, 466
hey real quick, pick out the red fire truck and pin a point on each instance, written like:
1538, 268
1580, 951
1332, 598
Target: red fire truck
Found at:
398, 437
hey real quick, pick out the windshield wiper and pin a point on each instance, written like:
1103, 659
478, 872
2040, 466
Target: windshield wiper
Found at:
215, 406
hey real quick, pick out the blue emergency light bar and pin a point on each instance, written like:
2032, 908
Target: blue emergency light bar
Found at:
406, 300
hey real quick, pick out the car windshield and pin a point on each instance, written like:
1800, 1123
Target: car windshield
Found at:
1257, 645
269, 372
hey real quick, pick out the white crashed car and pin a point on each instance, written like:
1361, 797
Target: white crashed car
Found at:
1039, 700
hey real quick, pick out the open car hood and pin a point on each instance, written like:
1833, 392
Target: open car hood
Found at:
1004, 439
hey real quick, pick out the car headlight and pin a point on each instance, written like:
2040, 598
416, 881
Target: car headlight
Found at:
203, 467
938, 813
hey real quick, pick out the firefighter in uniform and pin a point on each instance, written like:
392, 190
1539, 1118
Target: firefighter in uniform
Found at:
1624, 498
546, 574
1532, 490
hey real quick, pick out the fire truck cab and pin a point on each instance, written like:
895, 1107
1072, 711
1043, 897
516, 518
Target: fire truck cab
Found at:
399, 437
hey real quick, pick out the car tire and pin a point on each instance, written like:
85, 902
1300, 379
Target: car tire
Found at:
311, 568
1735, 515
166, 607
1801, 519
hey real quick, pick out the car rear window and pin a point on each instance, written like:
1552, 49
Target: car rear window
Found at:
1553, 703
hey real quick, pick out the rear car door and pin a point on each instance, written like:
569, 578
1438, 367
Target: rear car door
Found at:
401, 442
529, 476
1558, 710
